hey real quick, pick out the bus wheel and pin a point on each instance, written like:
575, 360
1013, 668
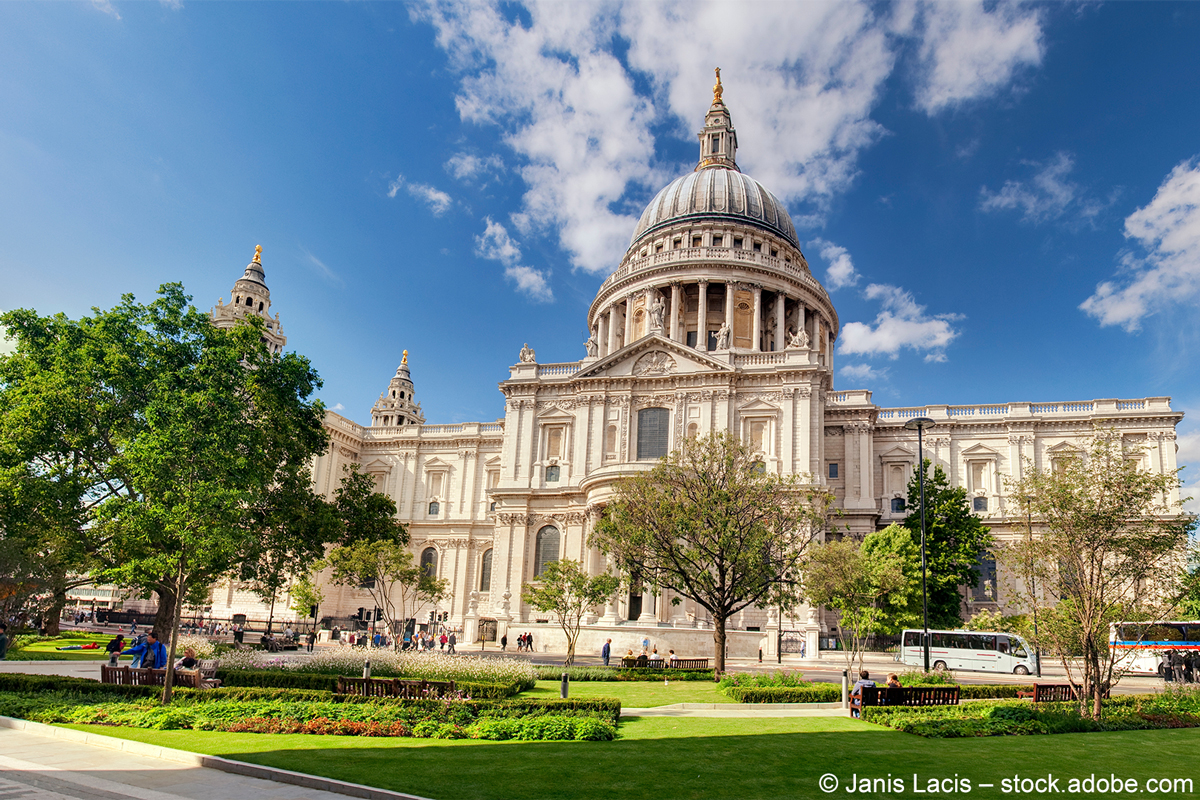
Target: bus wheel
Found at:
939, 666
1021, 670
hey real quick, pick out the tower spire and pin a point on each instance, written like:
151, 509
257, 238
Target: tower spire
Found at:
718, 140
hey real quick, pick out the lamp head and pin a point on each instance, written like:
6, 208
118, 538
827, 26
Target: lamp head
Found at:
919, 423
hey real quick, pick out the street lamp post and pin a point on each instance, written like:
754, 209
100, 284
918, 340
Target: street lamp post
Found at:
919, 424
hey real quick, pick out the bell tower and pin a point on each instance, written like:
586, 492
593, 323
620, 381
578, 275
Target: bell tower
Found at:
250, 295
397, 405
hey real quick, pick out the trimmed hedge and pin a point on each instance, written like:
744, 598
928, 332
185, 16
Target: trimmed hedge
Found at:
20, 682
817, 693
552, 673
279, 679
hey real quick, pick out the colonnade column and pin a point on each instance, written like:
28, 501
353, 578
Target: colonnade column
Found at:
780, 334
702, 318
729, 289
612, 329
602, 334
628, 320
676, 298
756, 334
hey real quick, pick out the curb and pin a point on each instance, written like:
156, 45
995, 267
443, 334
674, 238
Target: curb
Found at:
211, 762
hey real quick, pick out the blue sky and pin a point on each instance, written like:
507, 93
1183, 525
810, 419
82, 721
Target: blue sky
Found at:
1003, 198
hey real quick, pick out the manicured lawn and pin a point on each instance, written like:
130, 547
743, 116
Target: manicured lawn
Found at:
638, 694
46, 650
684, 758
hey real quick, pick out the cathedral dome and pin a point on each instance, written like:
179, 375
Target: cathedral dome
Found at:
720, 193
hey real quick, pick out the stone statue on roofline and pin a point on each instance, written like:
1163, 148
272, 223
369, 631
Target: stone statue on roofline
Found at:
593, 347
527, 354
723, 336
798, 340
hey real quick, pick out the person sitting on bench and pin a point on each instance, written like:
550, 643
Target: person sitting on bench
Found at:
864, 679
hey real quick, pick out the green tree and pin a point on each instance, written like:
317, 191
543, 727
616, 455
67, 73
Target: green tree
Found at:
873, 585
710, 524
386, 570
1108, 544
954, 540
162, 431
307, 595
566, 590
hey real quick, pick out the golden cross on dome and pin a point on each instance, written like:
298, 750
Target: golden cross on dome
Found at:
404, 358
258, 254
717, 88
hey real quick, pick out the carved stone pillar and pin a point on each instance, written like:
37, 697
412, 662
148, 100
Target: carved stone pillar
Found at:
780, 333
676, 299
602, 334
628, 320
729, 289
756, 335
612, 329
702, 318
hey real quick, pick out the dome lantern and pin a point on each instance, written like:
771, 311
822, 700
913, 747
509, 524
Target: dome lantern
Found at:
718, 140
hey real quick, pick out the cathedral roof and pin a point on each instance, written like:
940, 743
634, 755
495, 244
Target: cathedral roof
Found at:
716, 193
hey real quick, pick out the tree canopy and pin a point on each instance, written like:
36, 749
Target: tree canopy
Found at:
954, 541
566, 590
709, 523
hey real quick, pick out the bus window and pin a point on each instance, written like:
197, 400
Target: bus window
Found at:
978, 642
1002, 644
912, 638
1018, 649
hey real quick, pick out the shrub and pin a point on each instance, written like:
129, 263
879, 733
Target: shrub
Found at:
495, 728
762, 680
552, 673
278, 679
598, 707
815, 693
389, 664
918, 678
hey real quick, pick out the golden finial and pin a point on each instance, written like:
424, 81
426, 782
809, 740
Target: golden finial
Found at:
258, 254
404, 358
717, 89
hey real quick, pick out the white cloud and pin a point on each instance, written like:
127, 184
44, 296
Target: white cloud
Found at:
862, 372
841, 272
1168, 230
466, 166
901, 323
107, 7
338, 408
801, 79
438, 201
969, 51
1048, 195
320, 266
7, 345
495, 244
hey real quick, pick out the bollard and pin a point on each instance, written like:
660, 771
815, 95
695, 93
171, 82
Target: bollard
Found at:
367, 669
565, 690
760, 655
845, 689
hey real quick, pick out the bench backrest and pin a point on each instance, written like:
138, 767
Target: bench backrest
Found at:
910, 696
394, 687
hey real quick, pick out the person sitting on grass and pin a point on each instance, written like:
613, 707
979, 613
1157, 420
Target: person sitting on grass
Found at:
151, 652
864, 679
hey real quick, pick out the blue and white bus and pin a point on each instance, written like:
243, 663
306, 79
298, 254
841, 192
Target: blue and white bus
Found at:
979, 651
1141, 646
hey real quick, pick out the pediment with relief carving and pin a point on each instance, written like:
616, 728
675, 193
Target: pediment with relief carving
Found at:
654, 356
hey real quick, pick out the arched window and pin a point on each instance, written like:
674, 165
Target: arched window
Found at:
485, 572
546, 549
429, 561
250, 301
434, 508
693, 430
260, 305
654, 427
552, 474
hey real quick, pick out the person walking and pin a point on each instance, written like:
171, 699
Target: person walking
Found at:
450, 642
3, 641
133, 627
503, 643
312, 640
606, 651
114, 649
151, 652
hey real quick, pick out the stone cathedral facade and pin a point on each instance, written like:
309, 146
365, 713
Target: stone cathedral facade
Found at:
712, 321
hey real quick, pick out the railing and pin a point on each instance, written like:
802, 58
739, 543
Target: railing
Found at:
973, 411
491, 427
435, 429
1130, 405
556, 370
685, 254
1061, 408
759, 359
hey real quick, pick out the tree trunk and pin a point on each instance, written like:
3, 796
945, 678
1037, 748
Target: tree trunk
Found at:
719, 643
174, 634
54, 613
165, 617
271, 614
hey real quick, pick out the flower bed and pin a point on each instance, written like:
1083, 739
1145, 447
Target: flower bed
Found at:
292, 711
384, 664
1171, 709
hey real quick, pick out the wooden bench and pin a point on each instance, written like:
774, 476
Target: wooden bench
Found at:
904, 696
394, 687
658, 663
128, 676
1052, 693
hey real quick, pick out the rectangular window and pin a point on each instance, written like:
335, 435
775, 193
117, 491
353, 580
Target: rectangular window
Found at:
653, 433
552, 473
979, 504
758, 435
691, 338
677, 243
697, 241
658, 247
758, 247
436, 480
774, 253
554, 443
712, 341
897, 505
718, 241
716, 144
737, 242
833, 470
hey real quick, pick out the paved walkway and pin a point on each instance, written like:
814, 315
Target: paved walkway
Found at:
45, 763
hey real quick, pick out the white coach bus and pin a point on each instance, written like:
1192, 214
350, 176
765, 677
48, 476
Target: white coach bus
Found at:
1142, 646
979, 651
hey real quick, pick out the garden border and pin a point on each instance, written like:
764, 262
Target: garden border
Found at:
243, 768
